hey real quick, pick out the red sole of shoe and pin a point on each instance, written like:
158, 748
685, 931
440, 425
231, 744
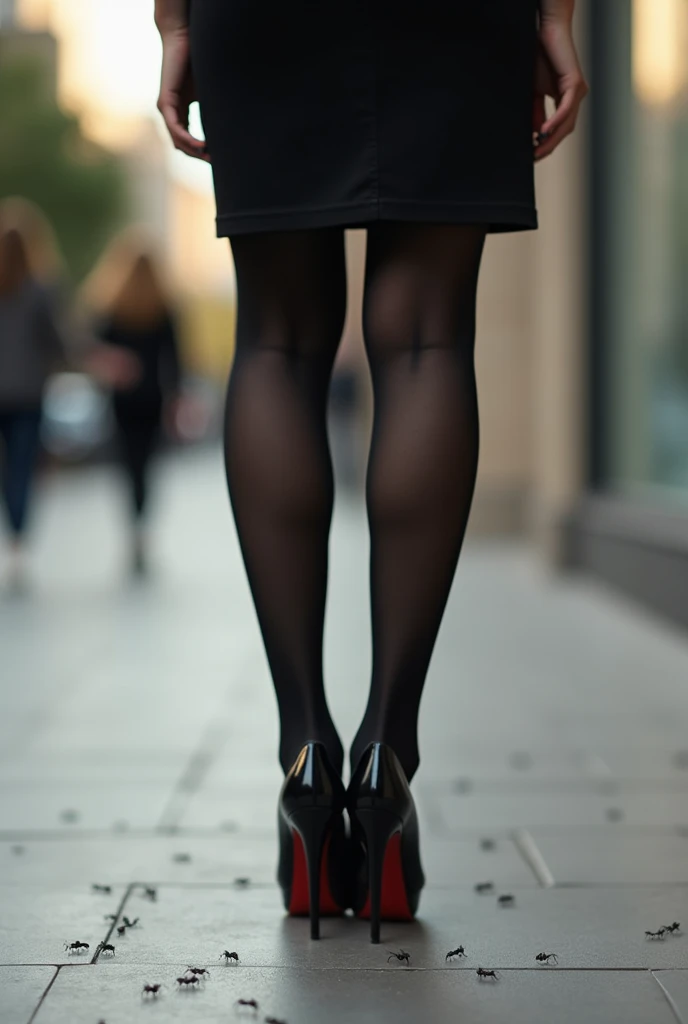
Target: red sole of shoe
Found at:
394, 905
299, 904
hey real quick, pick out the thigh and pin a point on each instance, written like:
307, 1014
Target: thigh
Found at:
291, 288
420, 283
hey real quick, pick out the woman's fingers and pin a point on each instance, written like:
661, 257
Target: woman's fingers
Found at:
177, 93
180, 135
562, 123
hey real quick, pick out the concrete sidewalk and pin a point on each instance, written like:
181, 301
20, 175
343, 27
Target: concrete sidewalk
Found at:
138, 741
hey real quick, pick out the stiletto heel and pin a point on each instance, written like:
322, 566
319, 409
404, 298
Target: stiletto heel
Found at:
384, 823
378, 828
312, 825
313, 854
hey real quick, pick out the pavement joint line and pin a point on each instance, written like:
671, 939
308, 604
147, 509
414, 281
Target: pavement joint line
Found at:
209, 746
527, 847
45, 993
669, 998
127, 893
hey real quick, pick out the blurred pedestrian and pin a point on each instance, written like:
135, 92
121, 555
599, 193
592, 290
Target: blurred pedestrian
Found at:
31, 348
420, 120
135, 319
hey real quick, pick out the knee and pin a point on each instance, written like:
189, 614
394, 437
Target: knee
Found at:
402, 319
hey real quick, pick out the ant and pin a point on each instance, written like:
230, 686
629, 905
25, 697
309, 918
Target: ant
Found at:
274, 1020
659, 934
131, 924
459, 951
487, 844
486, 974
150, 893
483, 887
673, 929
107, 947
401, 956
151, 990
182, 858
199, 972
544, 958
229, 956
122, 931
507, 900
184, 982
105, 889
241, 883
77, 947
251, 1003
111, 917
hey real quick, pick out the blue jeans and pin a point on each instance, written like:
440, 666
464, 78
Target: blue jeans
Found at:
20, 431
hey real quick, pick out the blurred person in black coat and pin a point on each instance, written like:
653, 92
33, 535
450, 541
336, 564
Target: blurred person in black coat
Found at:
31, 348
135, 320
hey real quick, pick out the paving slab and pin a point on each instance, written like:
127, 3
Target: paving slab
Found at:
22, 988
103, 766
609, 857
126, 858
594, 928
298, 996
37, 920
675, 984
25, 807
562, 811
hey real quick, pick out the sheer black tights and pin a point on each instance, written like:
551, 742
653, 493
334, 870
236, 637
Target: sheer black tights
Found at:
419, 324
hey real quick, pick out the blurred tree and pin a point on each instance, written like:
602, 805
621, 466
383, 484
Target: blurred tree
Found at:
45, 157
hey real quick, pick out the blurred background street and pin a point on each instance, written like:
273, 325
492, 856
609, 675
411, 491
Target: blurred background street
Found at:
133, 682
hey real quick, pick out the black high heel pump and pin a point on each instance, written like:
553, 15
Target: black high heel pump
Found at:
384, 826
313, 862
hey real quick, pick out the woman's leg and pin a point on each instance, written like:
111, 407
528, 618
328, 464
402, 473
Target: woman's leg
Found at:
21, 431
419, 326
291, 306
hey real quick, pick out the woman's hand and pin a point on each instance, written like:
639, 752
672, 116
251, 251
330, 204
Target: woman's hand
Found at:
177, 92
557, 74
113, 367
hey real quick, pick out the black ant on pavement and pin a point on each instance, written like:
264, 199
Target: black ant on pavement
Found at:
122, 931
459, 951
198, 972
107, 947
105, 889
274, 1020
151, 990
483, 887
659, 934
184, 982
251, 1004
673, 929
544, 958
401, 956
486, 974
229, 956
150, 893
76, 947
130, 924
507, 900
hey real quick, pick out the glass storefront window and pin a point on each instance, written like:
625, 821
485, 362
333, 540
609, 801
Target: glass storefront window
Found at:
647, 258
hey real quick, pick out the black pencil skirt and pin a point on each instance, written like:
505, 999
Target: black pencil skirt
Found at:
346, 112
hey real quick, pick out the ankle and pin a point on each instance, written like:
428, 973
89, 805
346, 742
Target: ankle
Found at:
405, 746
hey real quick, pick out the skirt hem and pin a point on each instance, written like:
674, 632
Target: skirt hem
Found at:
500, 217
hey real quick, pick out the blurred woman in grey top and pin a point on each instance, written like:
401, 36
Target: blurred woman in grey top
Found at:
30, 350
